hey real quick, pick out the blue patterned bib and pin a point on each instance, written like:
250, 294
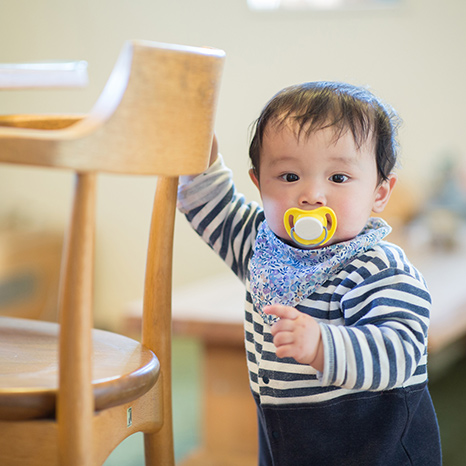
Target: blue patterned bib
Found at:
282, 274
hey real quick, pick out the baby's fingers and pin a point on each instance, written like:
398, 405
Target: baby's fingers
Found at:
283, 339
281, 311
282, 325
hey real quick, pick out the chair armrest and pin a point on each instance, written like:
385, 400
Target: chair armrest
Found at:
39, 121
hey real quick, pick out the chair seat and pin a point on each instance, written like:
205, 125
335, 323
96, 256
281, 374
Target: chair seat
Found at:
123, 369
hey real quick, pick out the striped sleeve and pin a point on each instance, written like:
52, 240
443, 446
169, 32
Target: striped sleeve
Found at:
221, 216
383, 342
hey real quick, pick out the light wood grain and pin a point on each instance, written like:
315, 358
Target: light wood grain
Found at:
75, 403
37, 445
154, 117
180, 89
158, 286
42, 122
28, 390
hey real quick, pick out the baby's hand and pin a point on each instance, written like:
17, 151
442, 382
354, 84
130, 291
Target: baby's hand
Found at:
296, 335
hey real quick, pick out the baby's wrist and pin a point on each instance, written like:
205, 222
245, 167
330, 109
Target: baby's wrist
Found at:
318, 361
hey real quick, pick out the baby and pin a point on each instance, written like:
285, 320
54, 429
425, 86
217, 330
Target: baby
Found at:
336, 333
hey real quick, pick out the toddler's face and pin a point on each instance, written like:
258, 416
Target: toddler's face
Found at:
320, 170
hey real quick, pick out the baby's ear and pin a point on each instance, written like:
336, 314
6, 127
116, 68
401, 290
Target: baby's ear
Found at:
254, 179
382, 193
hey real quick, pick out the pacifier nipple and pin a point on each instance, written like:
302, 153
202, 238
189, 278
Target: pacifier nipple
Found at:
310, 228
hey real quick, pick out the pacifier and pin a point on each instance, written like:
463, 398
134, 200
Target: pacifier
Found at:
310, 228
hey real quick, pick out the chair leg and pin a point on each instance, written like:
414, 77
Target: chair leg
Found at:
158, 447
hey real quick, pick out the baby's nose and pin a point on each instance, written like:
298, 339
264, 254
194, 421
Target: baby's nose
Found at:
312, 196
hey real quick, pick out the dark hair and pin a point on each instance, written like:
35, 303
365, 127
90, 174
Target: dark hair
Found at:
317, 105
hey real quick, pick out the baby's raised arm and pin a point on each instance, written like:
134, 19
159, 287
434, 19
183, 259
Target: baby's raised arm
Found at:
213, 150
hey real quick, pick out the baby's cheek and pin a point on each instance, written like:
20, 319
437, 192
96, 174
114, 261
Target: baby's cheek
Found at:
349, 226
274, 217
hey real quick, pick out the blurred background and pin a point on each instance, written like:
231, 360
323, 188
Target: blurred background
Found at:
410, 54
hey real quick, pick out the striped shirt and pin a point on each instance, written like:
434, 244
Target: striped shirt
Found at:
373, 313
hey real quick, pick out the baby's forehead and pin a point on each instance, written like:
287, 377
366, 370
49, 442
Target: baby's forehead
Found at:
304, 130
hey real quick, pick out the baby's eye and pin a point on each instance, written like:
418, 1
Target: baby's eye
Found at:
290, 177
338, 178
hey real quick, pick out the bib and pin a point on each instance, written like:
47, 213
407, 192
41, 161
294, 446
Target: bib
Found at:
283, 274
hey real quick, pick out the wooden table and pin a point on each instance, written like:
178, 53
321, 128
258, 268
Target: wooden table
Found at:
228, 412
445, 274
212, 310
29, 270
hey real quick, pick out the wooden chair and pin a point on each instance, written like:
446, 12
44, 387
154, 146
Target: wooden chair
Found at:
154, 117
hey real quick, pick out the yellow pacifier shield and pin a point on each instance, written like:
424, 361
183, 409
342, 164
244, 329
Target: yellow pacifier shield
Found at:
310, 228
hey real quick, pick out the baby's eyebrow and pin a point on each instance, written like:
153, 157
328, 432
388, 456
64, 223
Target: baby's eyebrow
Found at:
282, 159
344, 159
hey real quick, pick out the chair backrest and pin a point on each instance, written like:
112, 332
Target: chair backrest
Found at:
154, 117
157, 102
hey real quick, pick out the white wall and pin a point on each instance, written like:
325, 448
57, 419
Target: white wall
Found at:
413, 57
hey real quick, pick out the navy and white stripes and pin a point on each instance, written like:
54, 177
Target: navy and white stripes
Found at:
374, 313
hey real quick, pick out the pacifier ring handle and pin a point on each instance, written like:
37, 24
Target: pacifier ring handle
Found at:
308, 246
